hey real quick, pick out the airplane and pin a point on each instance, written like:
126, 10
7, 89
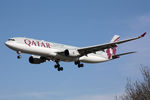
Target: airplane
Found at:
43, 51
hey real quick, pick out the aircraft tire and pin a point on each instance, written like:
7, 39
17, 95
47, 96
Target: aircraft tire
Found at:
80, 65
56, 66
60, 69
19, 57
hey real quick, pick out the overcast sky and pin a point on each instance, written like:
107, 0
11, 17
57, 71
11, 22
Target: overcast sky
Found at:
79, 23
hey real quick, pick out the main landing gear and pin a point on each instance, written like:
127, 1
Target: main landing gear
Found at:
79, 64
58, 66
19, 56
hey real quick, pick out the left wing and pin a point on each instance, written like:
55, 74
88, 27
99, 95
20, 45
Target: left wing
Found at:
102, 47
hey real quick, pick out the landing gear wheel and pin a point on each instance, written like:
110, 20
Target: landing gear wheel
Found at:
60, 69
76, 62
56, 66
80, 65
19, 57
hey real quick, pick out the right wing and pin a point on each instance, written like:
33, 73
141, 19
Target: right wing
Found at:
102, 47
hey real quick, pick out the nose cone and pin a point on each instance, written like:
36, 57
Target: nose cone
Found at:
7, 43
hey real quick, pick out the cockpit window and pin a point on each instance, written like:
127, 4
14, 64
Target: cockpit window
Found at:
11, 39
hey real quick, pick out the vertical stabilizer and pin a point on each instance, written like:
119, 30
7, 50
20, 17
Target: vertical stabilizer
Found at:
112, 51
115, 38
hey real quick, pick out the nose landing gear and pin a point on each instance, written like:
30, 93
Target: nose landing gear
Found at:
19, 56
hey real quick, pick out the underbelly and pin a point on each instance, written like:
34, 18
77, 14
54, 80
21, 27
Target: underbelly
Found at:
92, 59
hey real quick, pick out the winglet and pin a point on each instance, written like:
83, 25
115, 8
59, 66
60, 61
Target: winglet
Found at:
142, 35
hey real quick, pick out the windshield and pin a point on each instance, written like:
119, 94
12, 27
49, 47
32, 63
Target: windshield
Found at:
11, 39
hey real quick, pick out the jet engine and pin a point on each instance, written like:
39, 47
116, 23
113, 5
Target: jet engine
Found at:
36, 59
71, 53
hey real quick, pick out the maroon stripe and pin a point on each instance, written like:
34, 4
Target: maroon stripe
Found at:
108, 53
114, 50
116, 39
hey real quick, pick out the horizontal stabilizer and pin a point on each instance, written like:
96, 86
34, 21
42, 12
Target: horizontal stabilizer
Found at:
118, 55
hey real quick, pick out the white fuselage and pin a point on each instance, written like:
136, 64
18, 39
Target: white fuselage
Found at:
43, 51
50, 50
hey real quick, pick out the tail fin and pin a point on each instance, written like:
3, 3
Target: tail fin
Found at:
112, 51
115, 38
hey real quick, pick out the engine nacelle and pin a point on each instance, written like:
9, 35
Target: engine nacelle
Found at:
71, 53
36, 59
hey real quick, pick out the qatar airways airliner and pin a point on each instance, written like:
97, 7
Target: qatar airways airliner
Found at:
43, 51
